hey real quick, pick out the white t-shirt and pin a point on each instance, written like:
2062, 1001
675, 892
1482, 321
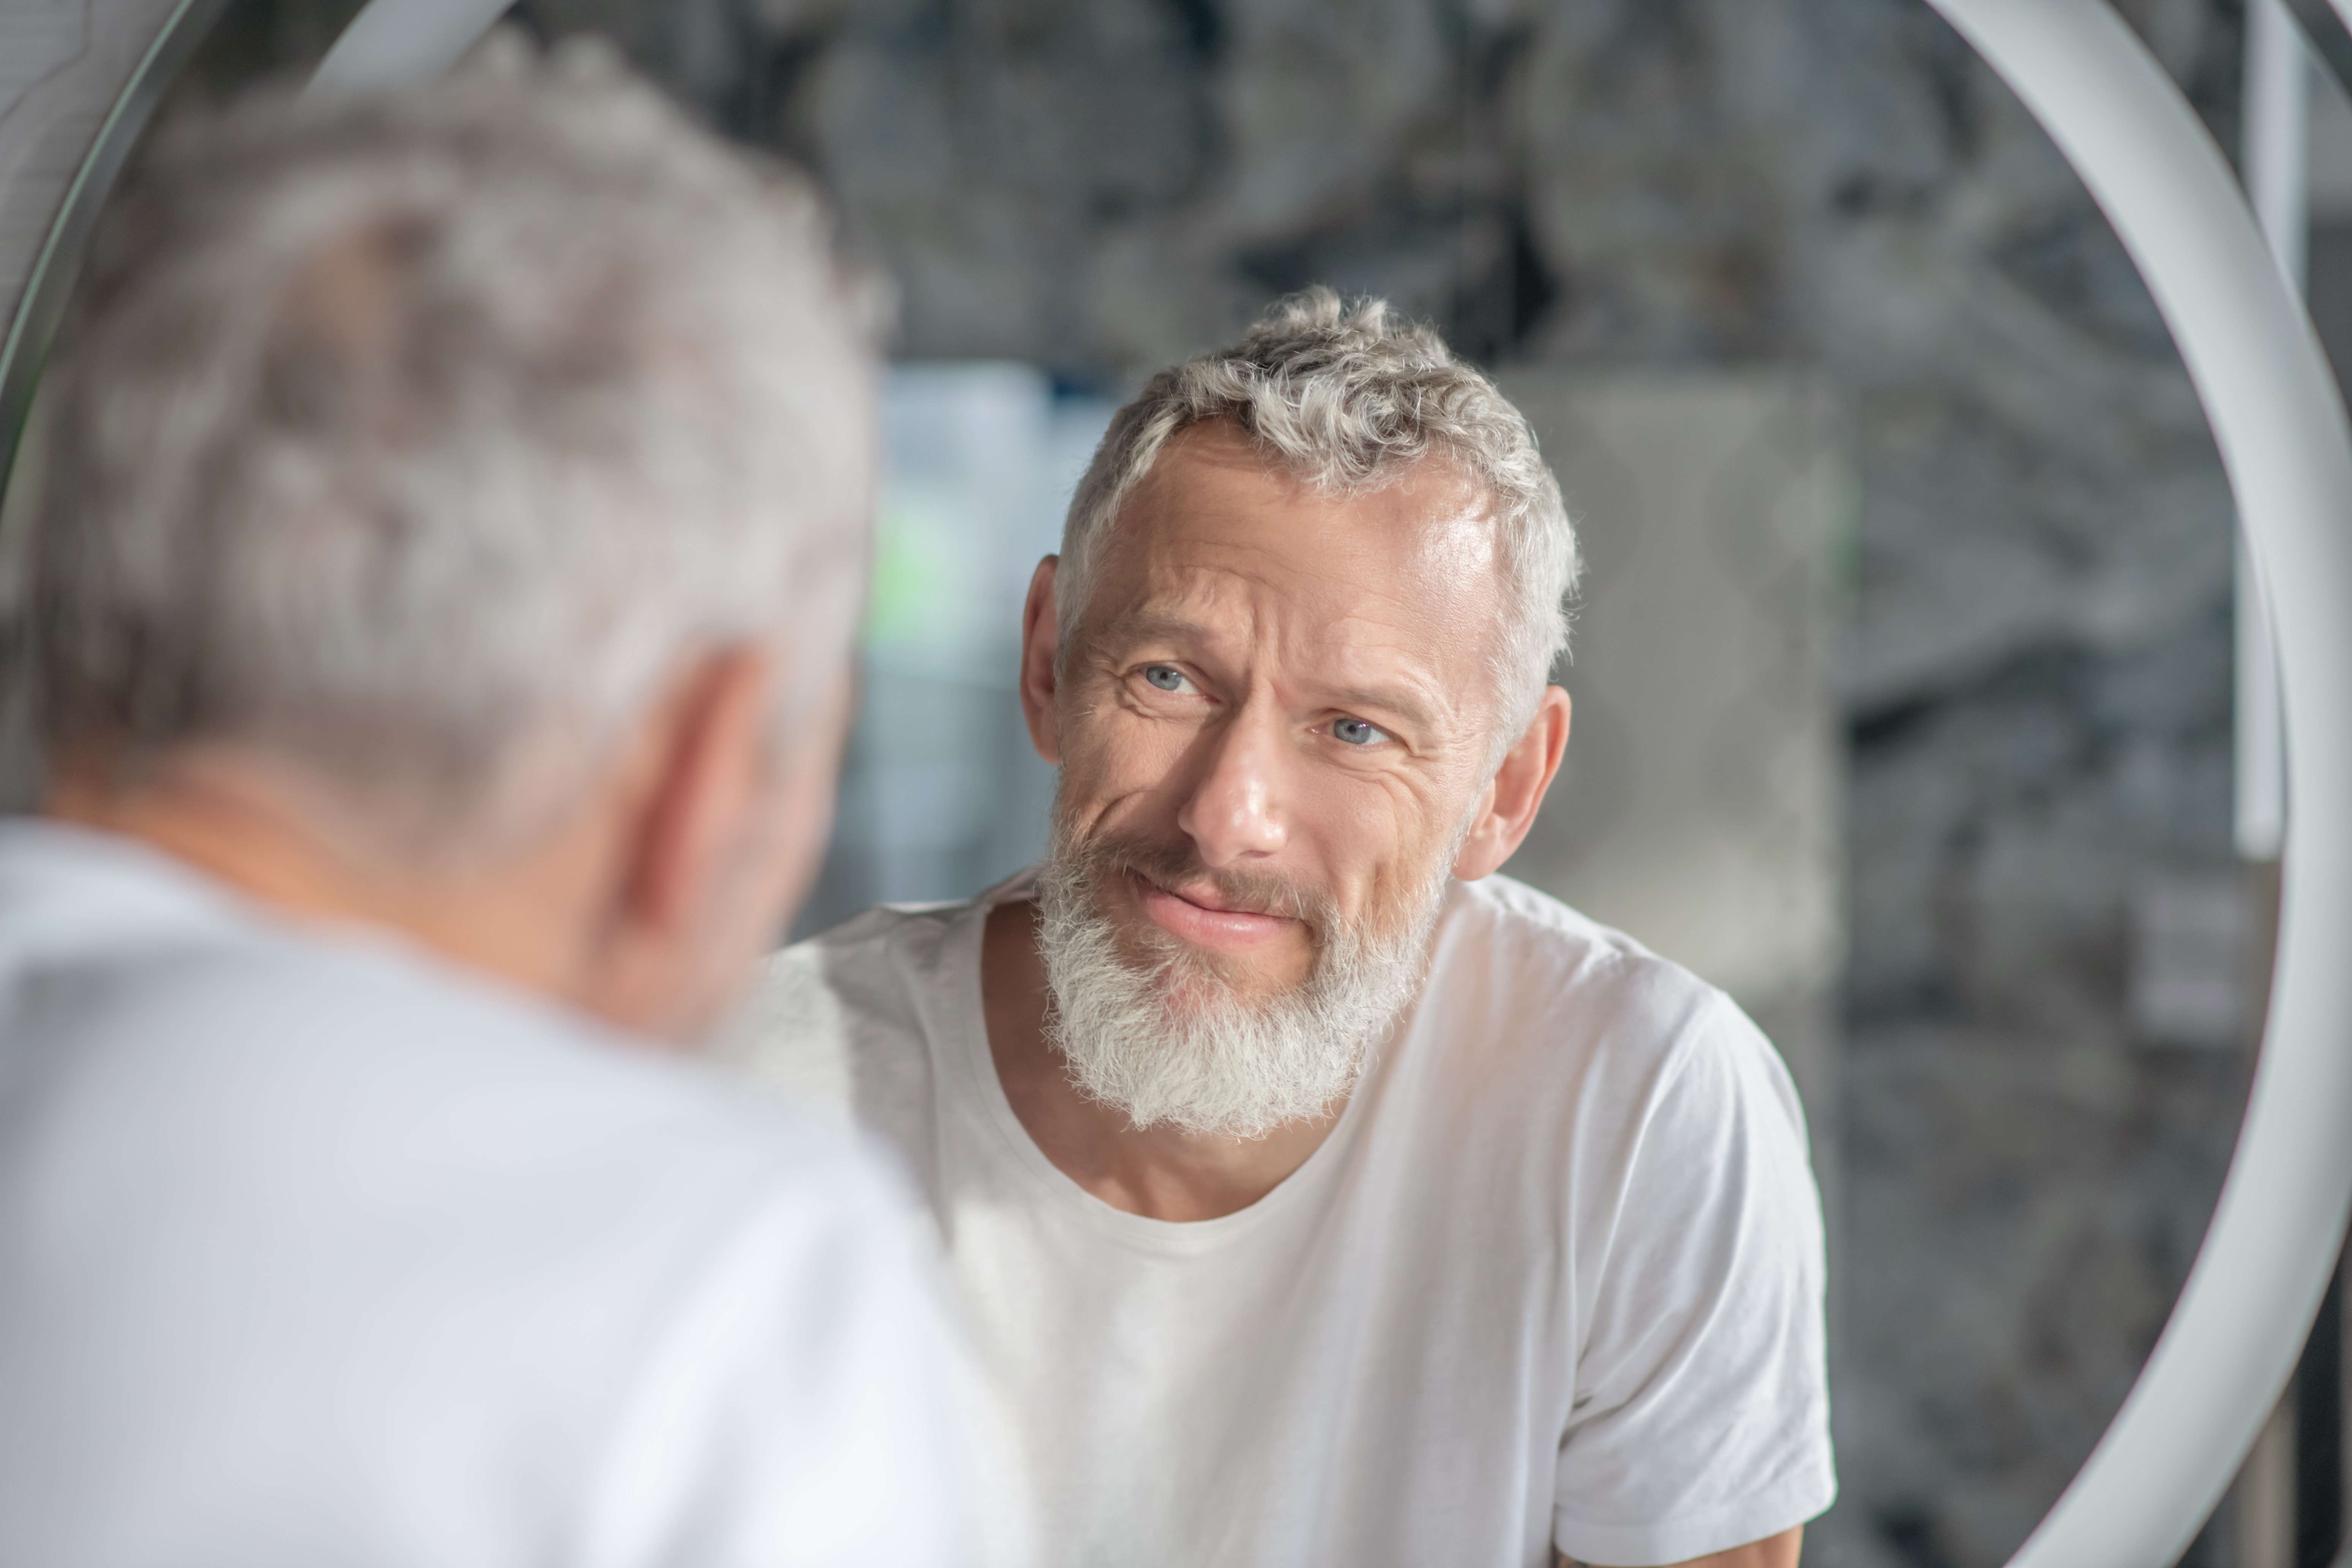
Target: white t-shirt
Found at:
1555, 1276
316, 1251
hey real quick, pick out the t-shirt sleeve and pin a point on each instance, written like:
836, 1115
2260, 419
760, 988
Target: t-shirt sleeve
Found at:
1700, 1416
809, 1403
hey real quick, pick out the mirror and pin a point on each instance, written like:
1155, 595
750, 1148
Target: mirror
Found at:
1855, 395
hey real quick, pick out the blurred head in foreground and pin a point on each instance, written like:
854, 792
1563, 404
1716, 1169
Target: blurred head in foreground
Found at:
455, 521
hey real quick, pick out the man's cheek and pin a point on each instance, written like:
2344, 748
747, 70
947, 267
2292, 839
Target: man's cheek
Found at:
1105, 778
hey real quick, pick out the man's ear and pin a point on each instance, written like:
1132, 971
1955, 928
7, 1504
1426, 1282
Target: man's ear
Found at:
1516, 791
704, 763
1041, 637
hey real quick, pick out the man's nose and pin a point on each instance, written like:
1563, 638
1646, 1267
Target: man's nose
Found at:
1235, 809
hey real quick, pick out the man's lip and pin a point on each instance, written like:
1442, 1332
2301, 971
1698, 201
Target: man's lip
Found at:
1206, 925
1206, 898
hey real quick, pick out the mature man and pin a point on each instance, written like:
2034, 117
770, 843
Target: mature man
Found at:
1318, 1196
438, 621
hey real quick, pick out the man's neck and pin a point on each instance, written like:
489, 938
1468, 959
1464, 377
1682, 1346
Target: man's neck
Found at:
266, 833
1158, 1172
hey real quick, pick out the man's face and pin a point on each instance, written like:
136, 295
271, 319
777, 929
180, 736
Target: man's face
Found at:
1276, 714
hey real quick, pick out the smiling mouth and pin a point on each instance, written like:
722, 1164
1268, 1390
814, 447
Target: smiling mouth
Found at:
1206, 898
1202, 918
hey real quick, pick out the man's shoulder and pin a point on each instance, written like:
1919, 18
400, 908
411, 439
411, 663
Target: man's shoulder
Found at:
372, 1038
1529, 952
854, 1003
869, 962
1573, 1036
1562, 1005
131, 988
517, 1162
413, 1097
364, 1181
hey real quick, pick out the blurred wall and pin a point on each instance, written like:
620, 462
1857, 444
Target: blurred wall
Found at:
1697, 808
942, 793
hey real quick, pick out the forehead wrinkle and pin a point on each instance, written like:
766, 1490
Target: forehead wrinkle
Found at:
1454, 541
1148, 623
1408, 688
1213, 581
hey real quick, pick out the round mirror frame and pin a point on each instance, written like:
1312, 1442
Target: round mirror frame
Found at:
2279, 421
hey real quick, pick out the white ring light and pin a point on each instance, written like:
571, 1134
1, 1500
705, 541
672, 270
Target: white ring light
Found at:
393, 41
2242, 1319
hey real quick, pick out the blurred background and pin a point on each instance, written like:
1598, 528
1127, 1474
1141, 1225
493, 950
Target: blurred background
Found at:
1910, 704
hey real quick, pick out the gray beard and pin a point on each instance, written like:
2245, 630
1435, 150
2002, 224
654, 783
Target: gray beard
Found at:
1173, 1044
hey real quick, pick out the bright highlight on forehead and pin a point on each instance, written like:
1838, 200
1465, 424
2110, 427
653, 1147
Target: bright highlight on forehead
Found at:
1214, 500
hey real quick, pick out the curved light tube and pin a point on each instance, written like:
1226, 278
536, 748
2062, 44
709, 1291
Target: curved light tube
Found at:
388, 42
50, 277
395, 41
2242, 1319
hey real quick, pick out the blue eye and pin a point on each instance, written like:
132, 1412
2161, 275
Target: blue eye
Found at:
1355, 732
1166, 676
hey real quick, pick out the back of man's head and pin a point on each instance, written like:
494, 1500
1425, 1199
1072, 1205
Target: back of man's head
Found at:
416, 441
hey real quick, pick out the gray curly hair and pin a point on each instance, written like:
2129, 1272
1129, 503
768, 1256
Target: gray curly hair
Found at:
1348, 398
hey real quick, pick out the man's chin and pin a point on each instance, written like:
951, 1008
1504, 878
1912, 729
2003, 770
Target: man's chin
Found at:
1194, 978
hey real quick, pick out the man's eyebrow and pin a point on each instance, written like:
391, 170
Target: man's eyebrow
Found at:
1151, 626
1407, 702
